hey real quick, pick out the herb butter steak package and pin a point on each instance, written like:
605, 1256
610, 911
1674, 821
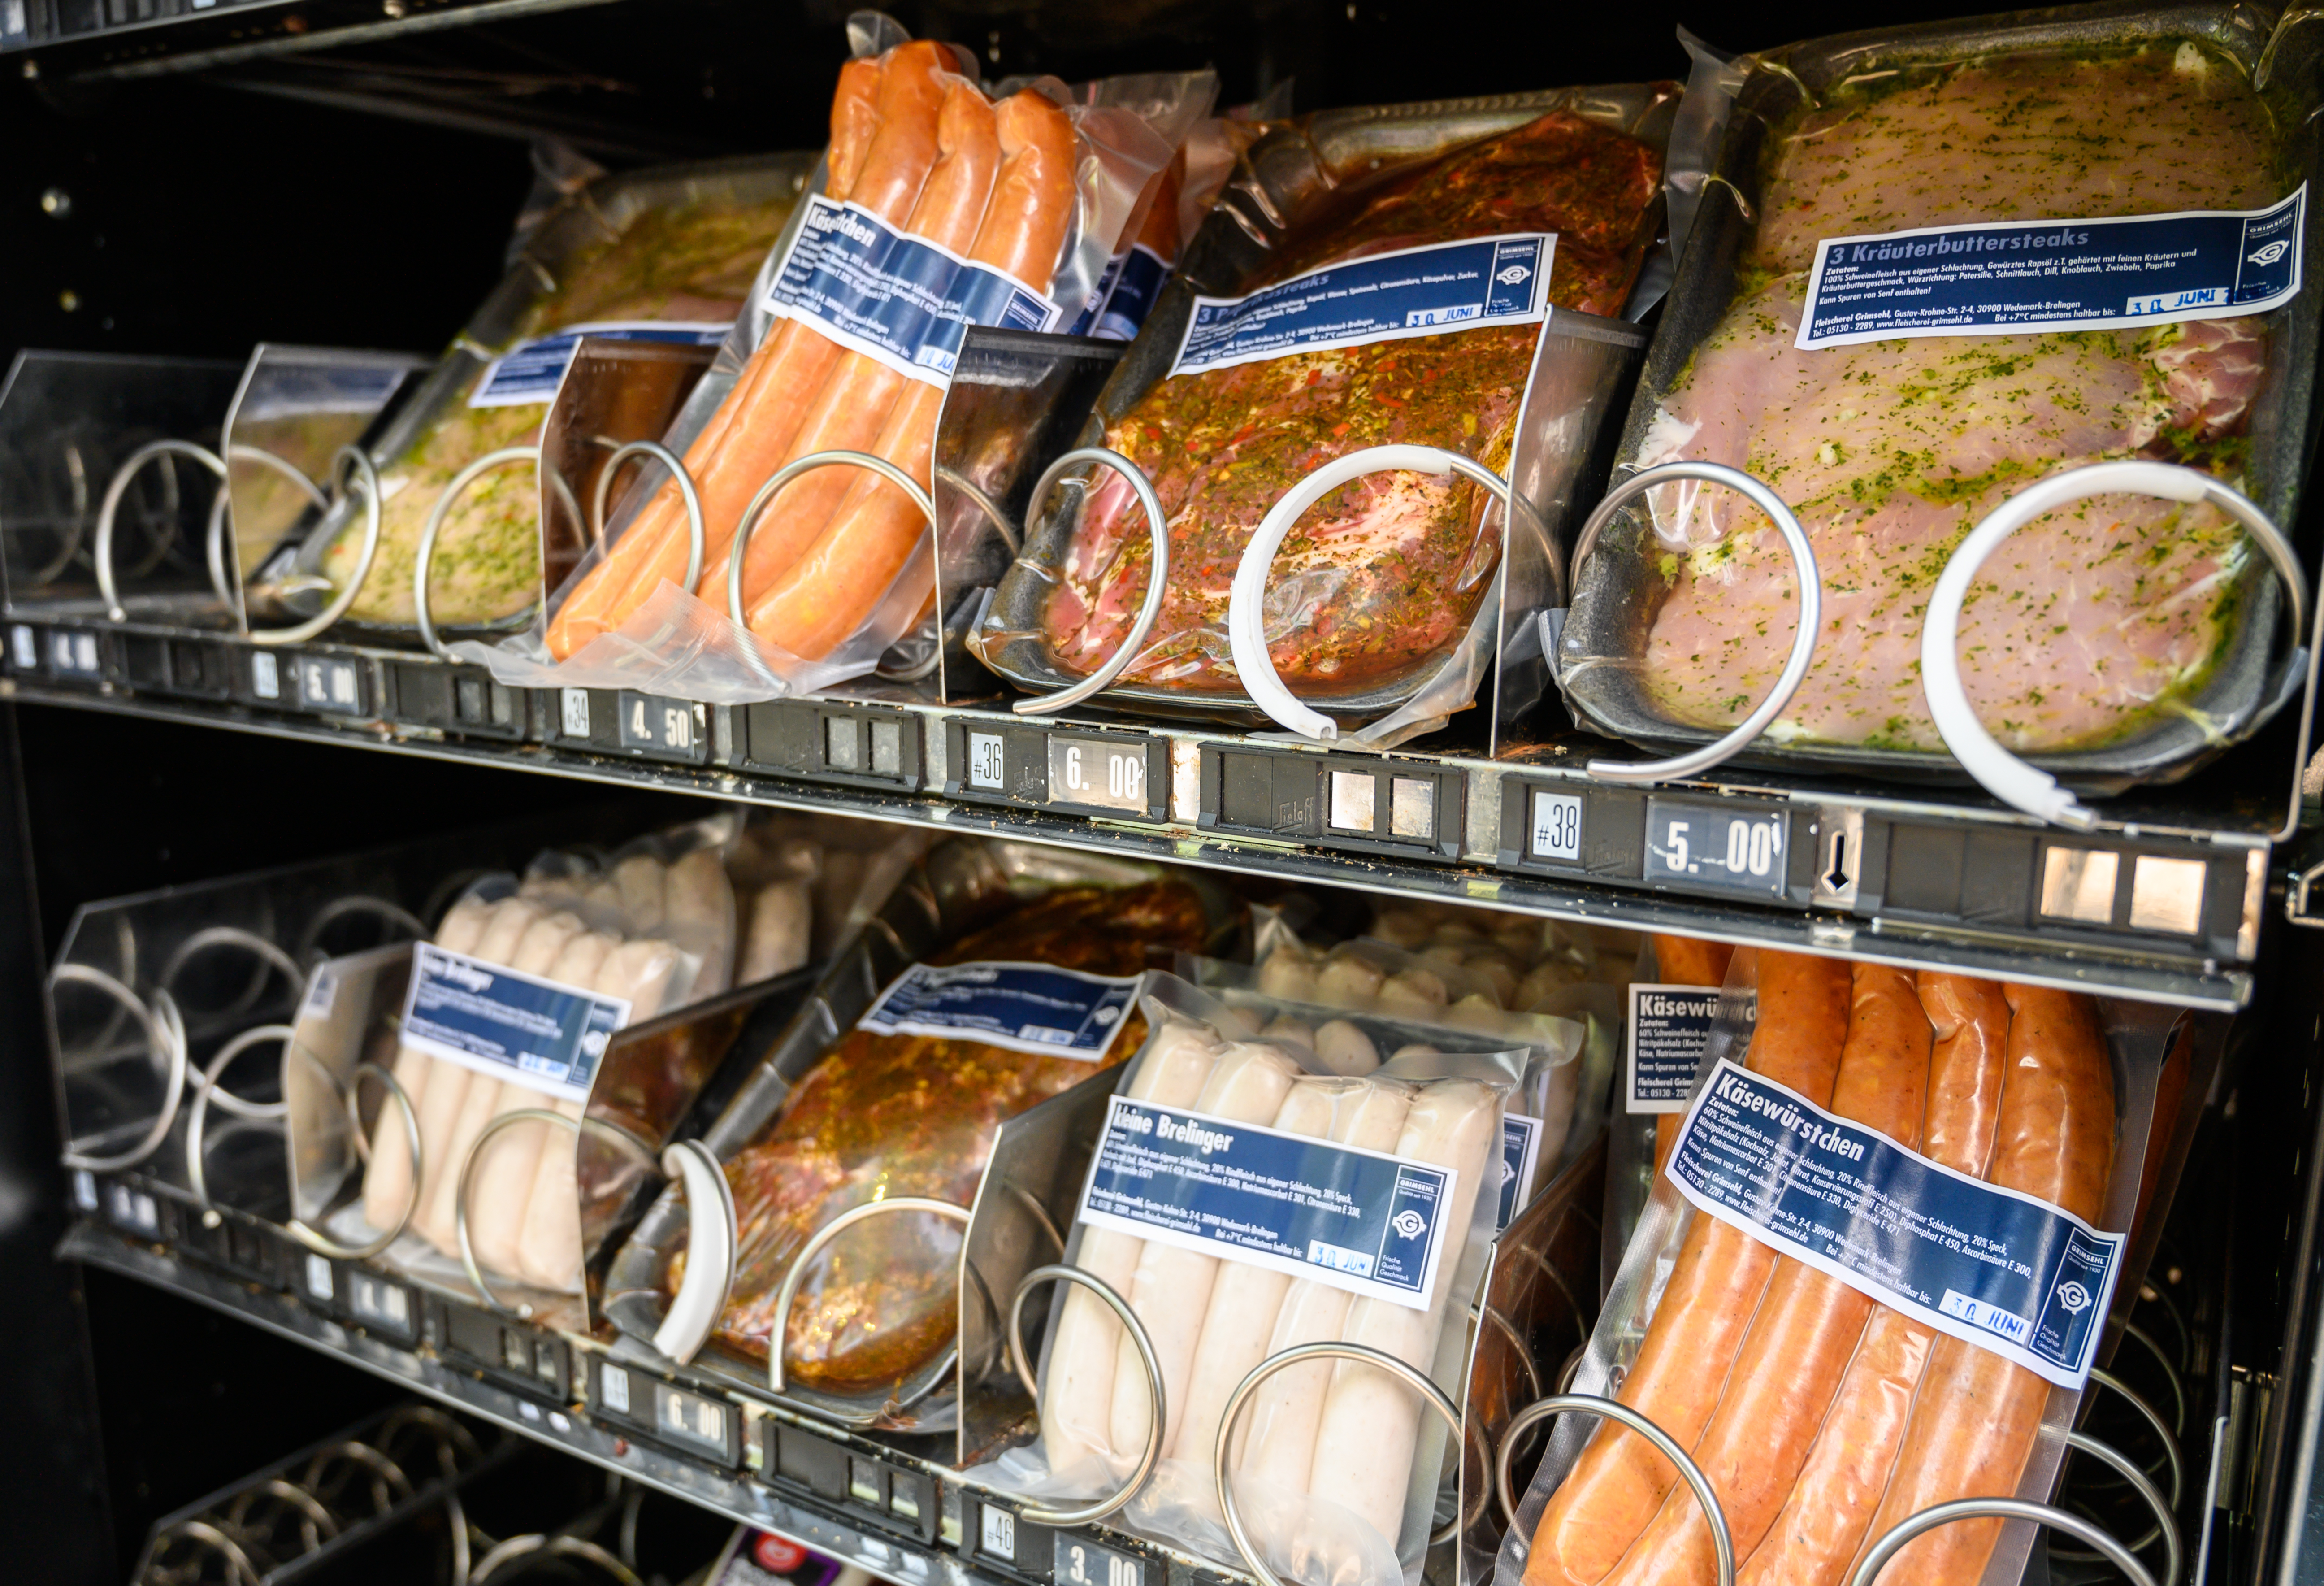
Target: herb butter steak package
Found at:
1245, 1199
1435, 275
1945, 263
666, 255
939, 206
1873, 1278
1031, 990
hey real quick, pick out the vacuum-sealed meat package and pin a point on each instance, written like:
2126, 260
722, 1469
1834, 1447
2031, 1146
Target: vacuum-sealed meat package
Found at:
941, 206
666, 255
1951, 262
1244, 1201
905, 1104
1389, 277
1874, 1277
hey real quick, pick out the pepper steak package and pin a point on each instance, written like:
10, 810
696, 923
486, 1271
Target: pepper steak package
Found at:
1438, 275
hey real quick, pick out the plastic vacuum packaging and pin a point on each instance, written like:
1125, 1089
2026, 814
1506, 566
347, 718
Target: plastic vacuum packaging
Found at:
1923, 284
1874, 1277
1381, 1243
803, 881
939, 209
1522, 220
905, 1104
664, 255
511, 965
1639, 1142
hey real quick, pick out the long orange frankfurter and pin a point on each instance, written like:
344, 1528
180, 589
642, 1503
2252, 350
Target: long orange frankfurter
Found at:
1977, 1415
744, 442
1822, 1523
825, 594
1808, 1325
1684, 961
856, 399
1715, 1287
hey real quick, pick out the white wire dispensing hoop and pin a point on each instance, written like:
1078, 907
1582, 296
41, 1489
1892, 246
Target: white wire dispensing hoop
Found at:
423, 560
1246, 618
1722, 1541
367, 480
1810, 579
788, 1295
1157, 575
110, 507
2002, 774
1151, 1455
1877, 1557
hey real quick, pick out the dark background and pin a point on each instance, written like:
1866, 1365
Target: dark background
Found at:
362, 196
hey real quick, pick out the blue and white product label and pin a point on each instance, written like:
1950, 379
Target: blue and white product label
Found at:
1520, 1160
1023, 1007
2025, 277
512, 1026
1990, 1266
532, 371
1669, 1026
893, 297
1385, 297
1364, 1220
1136, 285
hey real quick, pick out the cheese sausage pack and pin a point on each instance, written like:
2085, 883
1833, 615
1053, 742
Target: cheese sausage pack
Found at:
1243, 1198
938, 207
1873, 1276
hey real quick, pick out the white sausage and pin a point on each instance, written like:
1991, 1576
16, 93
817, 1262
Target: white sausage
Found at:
698, 913
504, 1177
782, 925
1414, 988
535, 951
448, 1082
1287, 1029
548, 1255
1349, 981
1371, 1421
387, 1182
1288, 973
1172, 1288
638, 880
1343, 1049
1274, 1441
1077, 1383
1244, 1300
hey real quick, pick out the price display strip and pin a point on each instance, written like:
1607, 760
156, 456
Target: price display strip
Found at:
60, 655
462, 700
135, 1210
693, 1423
996, 1536
386, 1306
894, 1497
1394, 806
1079, 1559
853, 746
237, 1245
1112, 775
1720, 847
2196, 894
519, 1358
644, 726
157, 663
328, 683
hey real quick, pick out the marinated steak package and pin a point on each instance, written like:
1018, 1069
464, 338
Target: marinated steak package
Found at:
1947, 262
1401, 276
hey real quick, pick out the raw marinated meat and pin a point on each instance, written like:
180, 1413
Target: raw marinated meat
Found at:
1389, 570
883, 1116
2090, 621
691, 262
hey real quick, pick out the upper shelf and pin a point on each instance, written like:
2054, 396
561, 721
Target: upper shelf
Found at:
2164, 901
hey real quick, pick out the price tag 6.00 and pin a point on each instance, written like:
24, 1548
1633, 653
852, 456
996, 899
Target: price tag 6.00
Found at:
1107, 772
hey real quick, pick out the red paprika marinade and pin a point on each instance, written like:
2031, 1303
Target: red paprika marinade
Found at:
1389, 570
884, 1116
